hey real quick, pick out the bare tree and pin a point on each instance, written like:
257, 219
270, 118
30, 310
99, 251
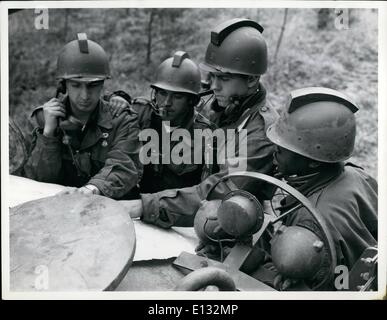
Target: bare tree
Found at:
149, 42
66, 24
281, 34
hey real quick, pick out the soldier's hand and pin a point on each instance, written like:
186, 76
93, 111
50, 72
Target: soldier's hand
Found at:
83, 190
67, 190
87, 190
119, 105
52, 110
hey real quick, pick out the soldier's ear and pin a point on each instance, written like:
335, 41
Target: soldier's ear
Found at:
252, 81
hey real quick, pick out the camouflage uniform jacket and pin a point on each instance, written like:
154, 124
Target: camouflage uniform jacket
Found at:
104, 154
161, 176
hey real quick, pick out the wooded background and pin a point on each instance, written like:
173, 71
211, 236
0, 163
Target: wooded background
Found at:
305, 49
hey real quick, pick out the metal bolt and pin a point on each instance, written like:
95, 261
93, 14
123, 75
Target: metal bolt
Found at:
365, 275
318, 245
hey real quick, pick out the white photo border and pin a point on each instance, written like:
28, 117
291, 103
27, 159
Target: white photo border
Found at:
382, 152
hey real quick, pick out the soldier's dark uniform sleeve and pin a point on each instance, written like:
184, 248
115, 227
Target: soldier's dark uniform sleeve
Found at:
177, 207
45, 158
121, 170
122, 167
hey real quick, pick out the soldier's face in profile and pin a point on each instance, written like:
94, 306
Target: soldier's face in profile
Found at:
174, 105
290, 163
84, 96
227, 85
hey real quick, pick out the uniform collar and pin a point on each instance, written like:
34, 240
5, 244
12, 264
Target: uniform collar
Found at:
246, 107
314, 183
256, 99
101, 114
99, 121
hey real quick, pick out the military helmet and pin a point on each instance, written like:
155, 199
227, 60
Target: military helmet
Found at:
206, 223
297, 252
318, 123
240, 214
178, 73
237, 46
83, 59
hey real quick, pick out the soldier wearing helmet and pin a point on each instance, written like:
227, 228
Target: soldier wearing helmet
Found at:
175, 94
236, 57
77, 141
314, 136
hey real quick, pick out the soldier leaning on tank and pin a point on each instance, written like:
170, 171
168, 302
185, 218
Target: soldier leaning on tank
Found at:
236, 58
313, 137
78, 141
172, 105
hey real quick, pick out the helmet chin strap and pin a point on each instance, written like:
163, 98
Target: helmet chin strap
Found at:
237, 100
161, 111
234, 102
296, 178
296, 181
